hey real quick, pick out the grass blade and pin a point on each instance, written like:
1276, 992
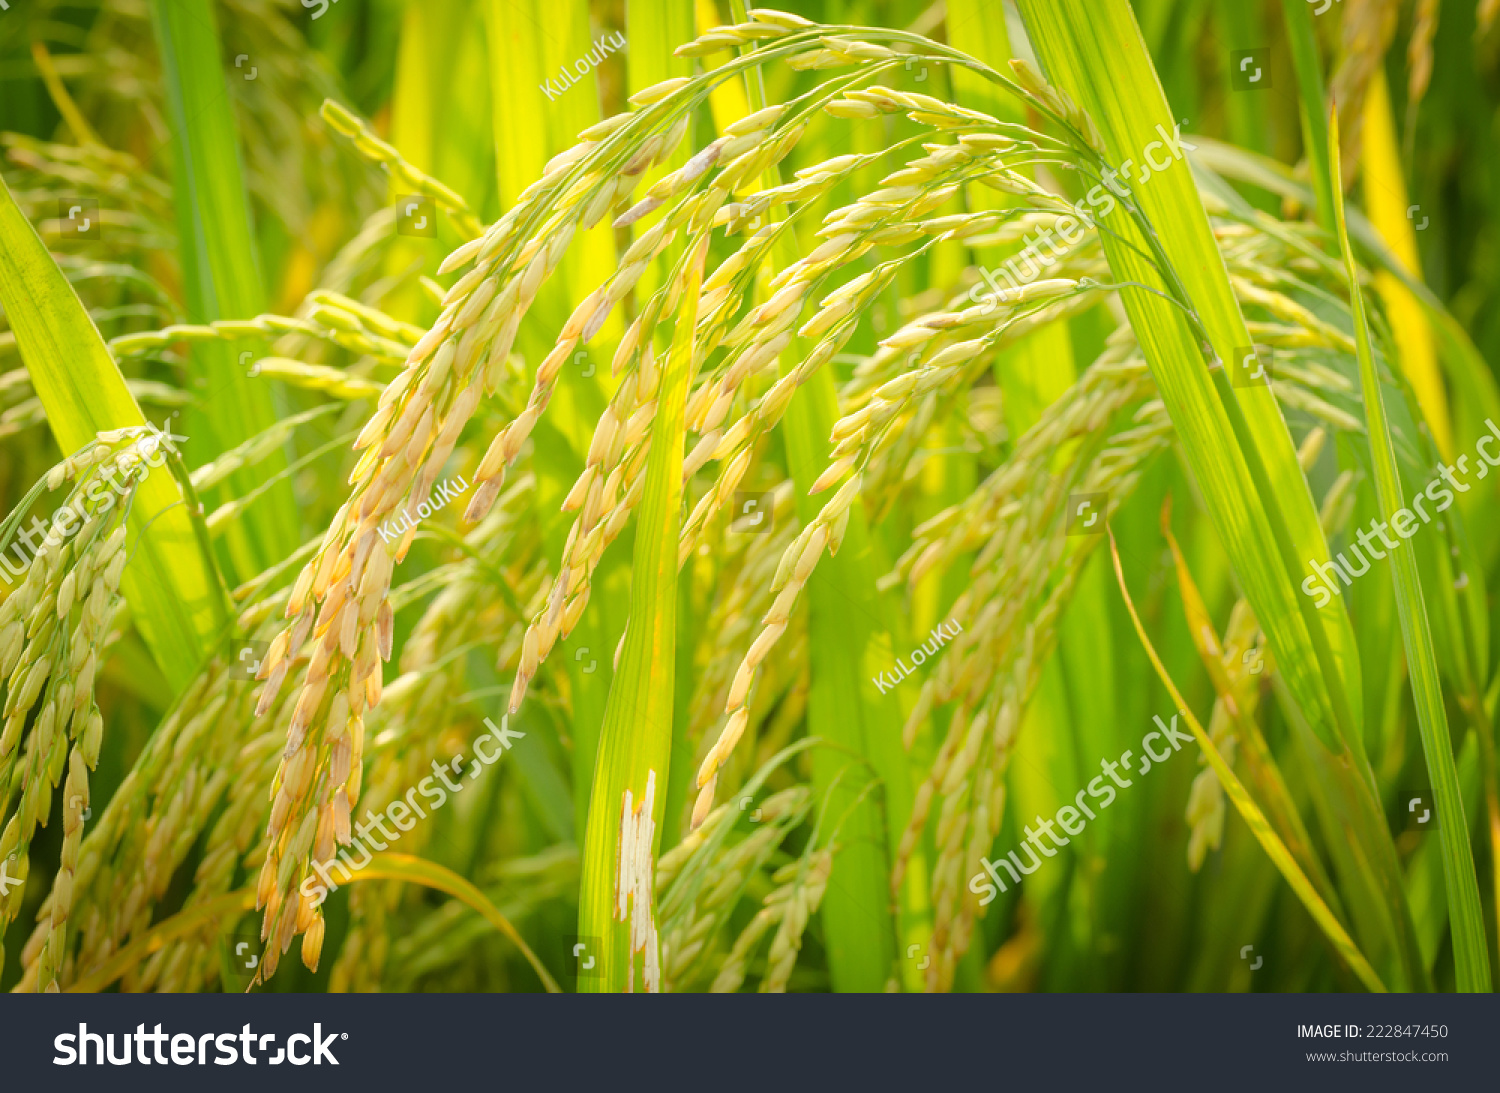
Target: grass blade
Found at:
408, 867
1168, 199
1309, 68
386, 866
653, 30
1032, 374
1236, 443
221, 273
635, 742
1470, 955
175, 594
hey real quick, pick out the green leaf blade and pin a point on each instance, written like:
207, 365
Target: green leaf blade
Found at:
175, 596
635, 742
1466, 919
221, 272
1236, 443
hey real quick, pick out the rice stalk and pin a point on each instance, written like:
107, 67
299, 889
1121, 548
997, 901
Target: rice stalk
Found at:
950, 440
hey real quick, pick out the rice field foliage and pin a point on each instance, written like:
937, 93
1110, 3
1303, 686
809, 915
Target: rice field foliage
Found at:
670, 497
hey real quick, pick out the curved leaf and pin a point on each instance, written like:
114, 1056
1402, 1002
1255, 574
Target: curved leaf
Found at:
409, 867
175, 594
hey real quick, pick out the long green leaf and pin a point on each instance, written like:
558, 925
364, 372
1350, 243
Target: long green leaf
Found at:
1236, 442
653, 30
1309, 68
1470, 958
176, 596
1032, 374
635, 742
221, 273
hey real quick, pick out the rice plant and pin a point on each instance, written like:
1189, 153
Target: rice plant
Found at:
677, 498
